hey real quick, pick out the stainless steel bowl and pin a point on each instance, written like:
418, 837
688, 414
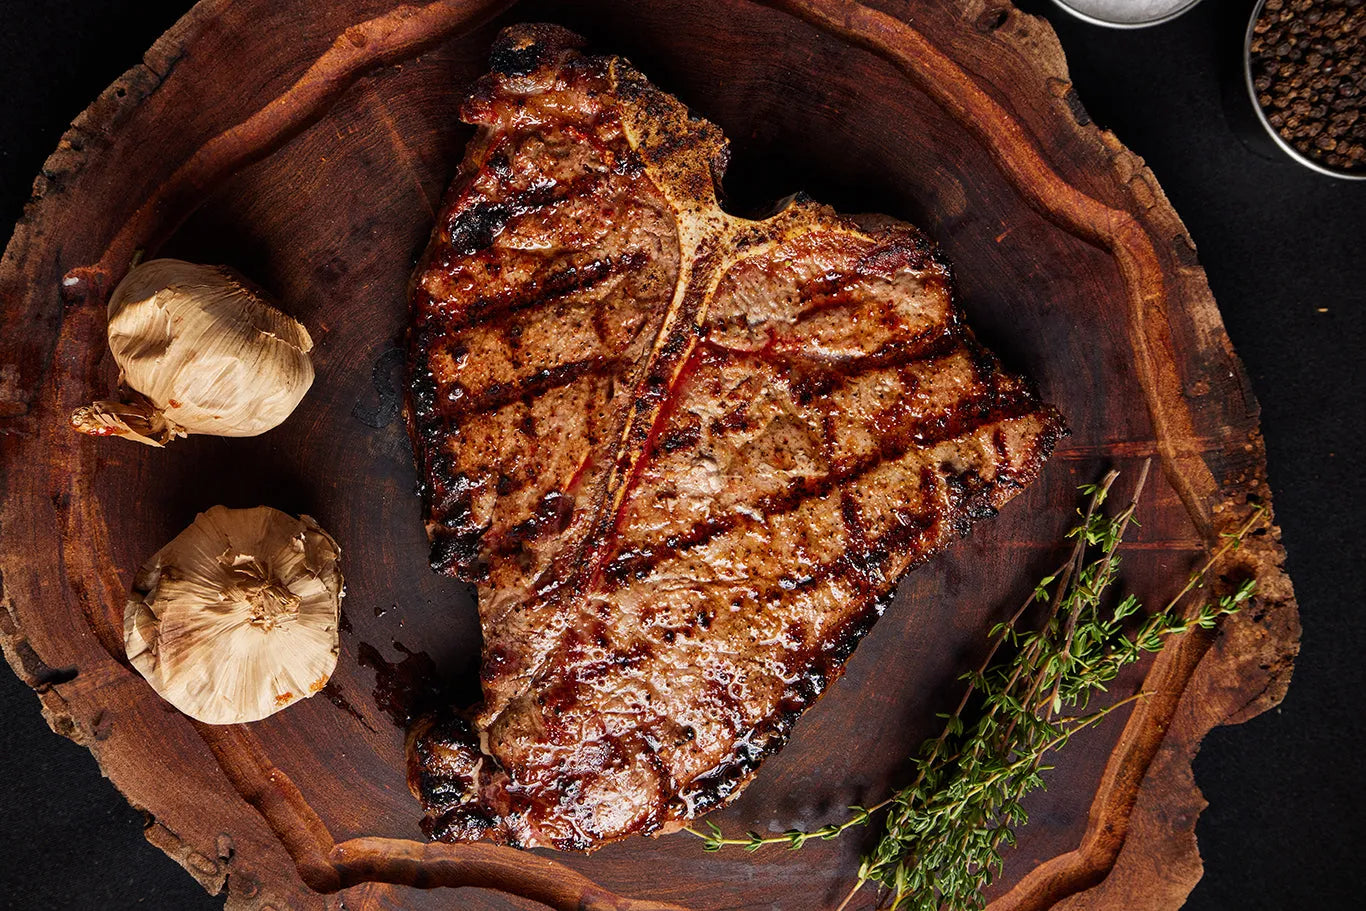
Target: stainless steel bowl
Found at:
1137, 14
1276, 137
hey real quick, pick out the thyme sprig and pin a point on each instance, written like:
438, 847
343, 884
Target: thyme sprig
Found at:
944, 833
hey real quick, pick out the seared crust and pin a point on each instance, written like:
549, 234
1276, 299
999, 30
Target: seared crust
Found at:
684, 456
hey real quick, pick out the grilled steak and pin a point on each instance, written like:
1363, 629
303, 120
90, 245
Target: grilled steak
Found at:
685, 456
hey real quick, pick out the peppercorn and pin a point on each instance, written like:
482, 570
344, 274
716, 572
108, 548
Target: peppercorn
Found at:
1308, 61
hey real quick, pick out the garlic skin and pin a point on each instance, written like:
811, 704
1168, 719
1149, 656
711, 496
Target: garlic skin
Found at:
199, 350
236, 618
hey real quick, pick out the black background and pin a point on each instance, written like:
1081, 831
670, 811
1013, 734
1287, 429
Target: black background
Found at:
1285, 250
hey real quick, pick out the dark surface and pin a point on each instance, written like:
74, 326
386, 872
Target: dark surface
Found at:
1279, 244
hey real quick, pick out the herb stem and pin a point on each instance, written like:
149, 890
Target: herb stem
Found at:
853, 890
1232, 541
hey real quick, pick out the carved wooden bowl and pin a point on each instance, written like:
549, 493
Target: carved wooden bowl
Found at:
307, 144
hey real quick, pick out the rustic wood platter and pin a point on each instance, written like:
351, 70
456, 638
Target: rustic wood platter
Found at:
307, 145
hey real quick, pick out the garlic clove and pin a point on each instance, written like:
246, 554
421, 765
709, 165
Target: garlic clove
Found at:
200, 350
237, 617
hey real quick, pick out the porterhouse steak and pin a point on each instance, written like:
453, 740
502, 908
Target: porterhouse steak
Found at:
685, 456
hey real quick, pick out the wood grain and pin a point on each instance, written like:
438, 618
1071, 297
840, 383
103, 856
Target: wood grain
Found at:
316, 169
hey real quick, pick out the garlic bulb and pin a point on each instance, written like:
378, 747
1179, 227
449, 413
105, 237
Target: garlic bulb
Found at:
237, 617
199, 351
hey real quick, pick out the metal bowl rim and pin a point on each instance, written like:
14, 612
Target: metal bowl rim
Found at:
1106, 23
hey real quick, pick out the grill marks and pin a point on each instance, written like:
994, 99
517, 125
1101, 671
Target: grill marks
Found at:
632, 565
816, 388
499, 395
929, 344
475, 225
686, 456
532, 244
588, 280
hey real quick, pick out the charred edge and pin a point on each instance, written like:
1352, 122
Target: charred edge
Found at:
456, 554
726, 780
446, 492
454, 535
522, 49
475, 226
975, 494
445, 772
678, 131
464, 822
422, 386
423, 419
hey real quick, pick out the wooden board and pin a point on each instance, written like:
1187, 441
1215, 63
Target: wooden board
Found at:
307, 144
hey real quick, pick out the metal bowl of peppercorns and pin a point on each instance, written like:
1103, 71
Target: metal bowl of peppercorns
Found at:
1306, 73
